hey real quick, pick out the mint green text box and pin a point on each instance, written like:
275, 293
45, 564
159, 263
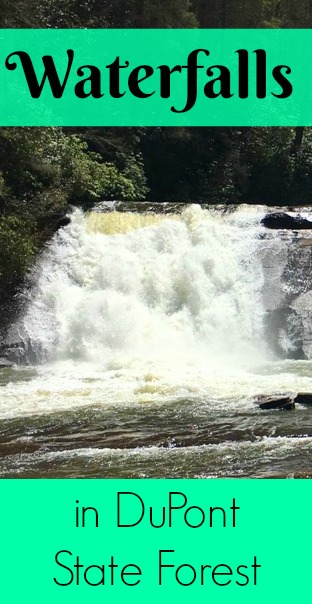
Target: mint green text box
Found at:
100, 48
273, 523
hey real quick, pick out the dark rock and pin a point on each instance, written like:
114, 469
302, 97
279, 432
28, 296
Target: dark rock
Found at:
285, 333
63, 222
286, 403
281, 220
304, 398
303, 306
4, 363
22, 353
54, 220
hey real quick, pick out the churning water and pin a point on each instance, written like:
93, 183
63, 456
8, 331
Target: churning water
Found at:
147, 332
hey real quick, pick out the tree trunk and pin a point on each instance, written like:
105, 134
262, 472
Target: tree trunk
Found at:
224, 14
139, 10
299, 132
208, 13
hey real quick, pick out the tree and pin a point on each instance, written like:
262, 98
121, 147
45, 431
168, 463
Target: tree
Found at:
253, 13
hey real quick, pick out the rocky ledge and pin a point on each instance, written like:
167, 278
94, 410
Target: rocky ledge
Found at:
5, 363
285, 402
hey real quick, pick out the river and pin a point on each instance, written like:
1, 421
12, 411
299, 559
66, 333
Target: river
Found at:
146, 347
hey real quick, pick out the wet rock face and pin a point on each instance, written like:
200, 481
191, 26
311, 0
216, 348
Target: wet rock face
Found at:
18, 347
302, 305
297, 291
285, 333
287, 289
5, 363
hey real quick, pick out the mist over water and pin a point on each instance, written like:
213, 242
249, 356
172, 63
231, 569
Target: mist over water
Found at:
152, 322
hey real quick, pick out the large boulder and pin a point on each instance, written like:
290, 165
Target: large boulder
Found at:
282, 220
304, 398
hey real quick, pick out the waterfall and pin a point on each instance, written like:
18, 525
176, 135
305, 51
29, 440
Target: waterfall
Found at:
171, 289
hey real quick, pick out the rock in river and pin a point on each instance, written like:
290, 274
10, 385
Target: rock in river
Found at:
304, 398
275, 402
283, 220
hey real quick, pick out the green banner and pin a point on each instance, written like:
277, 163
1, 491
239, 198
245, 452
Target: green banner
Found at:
155, 77
110, 541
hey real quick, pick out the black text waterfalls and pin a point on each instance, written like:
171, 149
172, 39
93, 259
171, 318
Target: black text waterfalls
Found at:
249, 75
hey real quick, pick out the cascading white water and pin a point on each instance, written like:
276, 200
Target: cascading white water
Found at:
116, 288
131, 308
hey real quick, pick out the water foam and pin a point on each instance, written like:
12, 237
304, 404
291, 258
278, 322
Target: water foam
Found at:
116, 288
130, 308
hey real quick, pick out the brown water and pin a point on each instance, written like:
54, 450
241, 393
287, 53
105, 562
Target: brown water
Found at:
197, 438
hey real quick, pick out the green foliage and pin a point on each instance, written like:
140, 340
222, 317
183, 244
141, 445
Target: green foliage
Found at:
253, 13
34, 160
97, 13
88, 178
18, 246
43, 171
279, 172
167, 14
